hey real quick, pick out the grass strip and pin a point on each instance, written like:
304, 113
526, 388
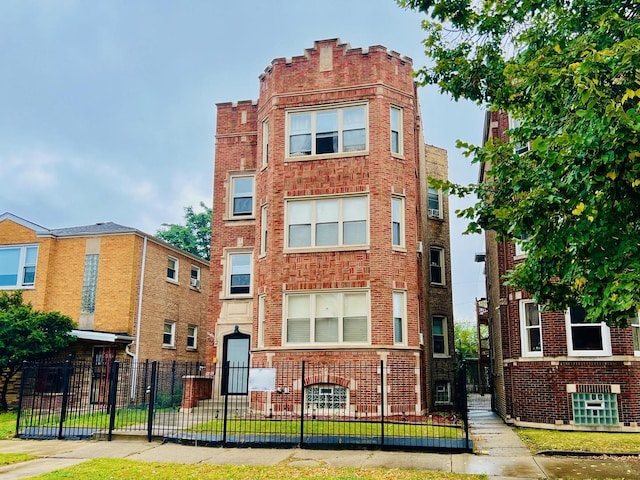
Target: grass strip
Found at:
539, 440
119, 469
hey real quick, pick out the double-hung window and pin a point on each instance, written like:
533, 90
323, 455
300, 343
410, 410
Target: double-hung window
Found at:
435, 203
397, 222
530, 329
239, 273
585, 338
399, 318
331, 317
194, 281
265, 142
169, 334
172, 269
635, 327
241, 196
436, 267
18, 266
192, 337
262, 317
327, 222
519, 147
396, 130
327, 131
439, 331
264, 230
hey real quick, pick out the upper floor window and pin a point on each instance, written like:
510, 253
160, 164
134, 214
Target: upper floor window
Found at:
265, 143
399, 318
520, 147
89, 283
397, 222
333, 317
396, 130
18, 266
436, 260
262, 316
194, 282
327, 222
264, 231
435, 203
440, 342
586, 338
530, 329
172, 269
327, 131
239, 273
635, 327
192, 337
241, 196
169, 334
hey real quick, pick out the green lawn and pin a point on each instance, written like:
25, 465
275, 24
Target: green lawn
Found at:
124, 417
538, 440
9, 458
321, 427
7, 425
115, 469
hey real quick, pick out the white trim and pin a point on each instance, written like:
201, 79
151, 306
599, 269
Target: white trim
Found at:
230, 203
400, 130
445, 335
605, 333
435, 212
635, 331
401, 221
228, 254
524, 330
443, 276
402, 295
176, 269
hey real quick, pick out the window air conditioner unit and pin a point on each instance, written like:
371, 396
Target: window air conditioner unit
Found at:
434, 212
195, 283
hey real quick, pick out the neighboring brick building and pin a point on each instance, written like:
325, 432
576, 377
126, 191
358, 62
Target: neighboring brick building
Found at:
322, 250
551, 369
129, 293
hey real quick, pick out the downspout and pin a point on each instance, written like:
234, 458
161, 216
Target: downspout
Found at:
139, 319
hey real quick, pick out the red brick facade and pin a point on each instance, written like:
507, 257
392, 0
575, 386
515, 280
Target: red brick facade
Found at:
544, 388
333, 79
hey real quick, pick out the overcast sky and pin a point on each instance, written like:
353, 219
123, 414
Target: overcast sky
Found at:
107, 108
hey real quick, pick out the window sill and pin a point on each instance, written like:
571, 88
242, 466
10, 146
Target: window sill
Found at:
196, 289
326, 156
191, 349
23, 287
246, 296
335, 248
397, 156
437, 219
172, 281
399, 248
438, 285
441, 355
247, 219
168, 347
585, 355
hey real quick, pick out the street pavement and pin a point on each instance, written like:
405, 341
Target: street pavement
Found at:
498, 453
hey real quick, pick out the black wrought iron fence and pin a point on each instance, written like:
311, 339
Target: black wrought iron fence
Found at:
284, 405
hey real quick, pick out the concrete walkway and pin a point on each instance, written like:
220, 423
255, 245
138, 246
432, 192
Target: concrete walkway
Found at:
499, 454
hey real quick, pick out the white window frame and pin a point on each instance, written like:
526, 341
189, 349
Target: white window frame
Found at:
313, 223
176, 269
520, 148
447, 389
434, 212
444, 335
635, 331
262, 306
313, 112
192, 333
265, 142
194, 281
232, 196
441, 265
605, 334
398, 130
397, 217
230, 255
23, 264
264, 229
525, 328
169, 325
341, 314
399, 317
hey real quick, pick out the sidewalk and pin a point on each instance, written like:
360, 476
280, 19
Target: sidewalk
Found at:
499, 454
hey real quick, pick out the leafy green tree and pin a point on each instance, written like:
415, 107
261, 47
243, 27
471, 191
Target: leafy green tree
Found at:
569, 72
193, 237
27, 334
466, 340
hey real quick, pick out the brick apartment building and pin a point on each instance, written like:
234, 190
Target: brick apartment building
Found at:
551, 369
130, 294
328, 245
